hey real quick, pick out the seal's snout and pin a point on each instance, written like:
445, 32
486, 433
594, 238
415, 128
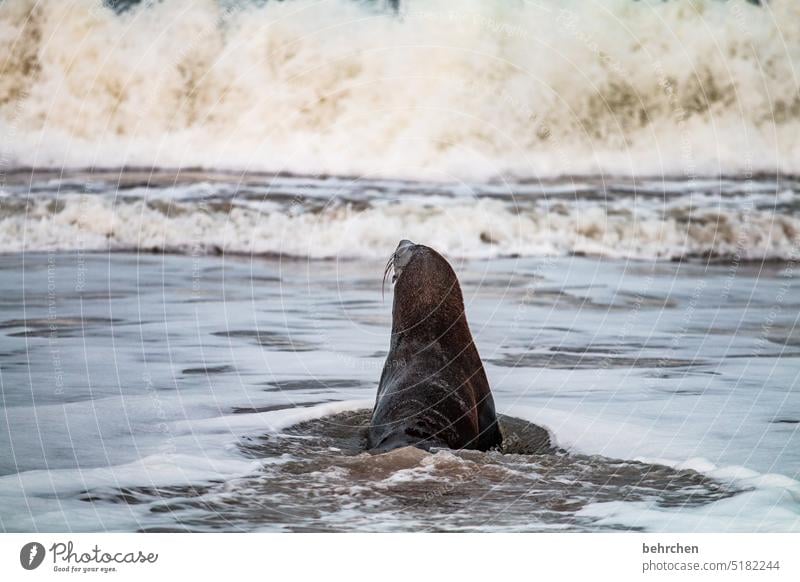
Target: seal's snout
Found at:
399, 259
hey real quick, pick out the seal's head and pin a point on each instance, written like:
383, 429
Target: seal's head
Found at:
427, 293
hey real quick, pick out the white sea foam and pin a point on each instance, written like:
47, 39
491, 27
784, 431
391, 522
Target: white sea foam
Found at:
272, 421
487, 88
751, 511
474, 228
767, 502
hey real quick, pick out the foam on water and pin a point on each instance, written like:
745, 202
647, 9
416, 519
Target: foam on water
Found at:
485, 89
304, 217
672, 388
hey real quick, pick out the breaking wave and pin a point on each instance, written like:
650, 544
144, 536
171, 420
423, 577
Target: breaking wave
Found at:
334, 218
489, 88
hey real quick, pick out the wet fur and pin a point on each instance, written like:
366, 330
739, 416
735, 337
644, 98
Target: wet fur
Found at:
433, 391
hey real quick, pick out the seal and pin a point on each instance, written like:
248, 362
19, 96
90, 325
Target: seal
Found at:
433, 391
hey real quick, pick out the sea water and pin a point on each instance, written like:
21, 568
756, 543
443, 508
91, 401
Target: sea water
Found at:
151, 382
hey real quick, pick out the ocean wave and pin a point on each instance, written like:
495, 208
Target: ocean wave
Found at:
477, 227
485, 89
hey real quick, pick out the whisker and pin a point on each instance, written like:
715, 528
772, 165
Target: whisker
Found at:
389, 267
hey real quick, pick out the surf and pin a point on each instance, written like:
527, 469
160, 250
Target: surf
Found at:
495, 88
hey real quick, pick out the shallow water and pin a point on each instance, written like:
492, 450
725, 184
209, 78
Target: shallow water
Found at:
316, 476
163, 392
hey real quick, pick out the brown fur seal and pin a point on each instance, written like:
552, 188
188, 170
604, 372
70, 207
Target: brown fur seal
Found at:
433, 390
